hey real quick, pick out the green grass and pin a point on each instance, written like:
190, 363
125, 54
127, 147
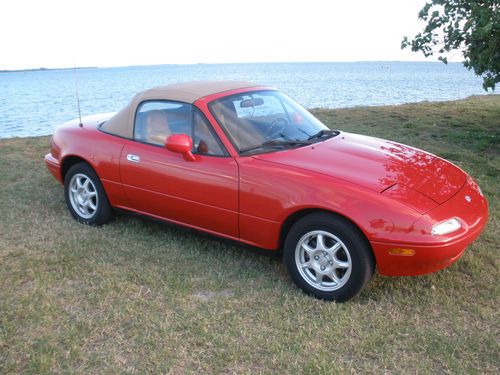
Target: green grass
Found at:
139, 296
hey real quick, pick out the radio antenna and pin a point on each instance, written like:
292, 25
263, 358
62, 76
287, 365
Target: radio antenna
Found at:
77, 95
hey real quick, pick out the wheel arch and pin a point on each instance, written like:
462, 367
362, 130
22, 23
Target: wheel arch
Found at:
70, 160
299, 214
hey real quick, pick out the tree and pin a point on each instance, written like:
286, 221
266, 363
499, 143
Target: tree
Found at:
472, 26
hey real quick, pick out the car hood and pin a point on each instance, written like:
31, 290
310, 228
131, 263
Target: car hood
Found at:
376, 164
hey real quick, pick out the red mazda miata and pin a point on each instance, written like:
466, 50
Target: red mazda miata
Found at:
248, 163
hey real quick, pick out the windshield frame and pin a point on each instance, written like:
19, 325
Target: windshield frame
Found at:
241, 152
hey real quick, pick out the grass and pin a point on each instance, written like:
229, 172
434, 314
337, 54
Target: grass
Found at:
138, 296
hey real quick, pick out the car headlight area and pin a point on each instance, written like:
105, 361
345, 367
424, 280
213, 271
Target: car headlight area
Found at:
446, 227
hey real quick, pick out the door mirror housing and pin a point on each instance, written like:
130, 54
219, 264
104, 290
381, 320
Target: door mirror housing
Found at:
181, 144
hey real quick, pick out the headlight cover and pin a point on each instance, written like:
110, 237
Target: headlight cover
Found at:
446, 227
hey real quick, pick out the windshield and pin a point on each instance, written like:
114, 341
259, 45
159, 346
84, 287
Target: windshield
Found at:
258, 121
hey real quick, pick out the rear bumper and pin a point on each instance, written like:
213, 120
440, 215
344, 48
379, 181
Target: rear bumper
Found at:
443, 251
54, 167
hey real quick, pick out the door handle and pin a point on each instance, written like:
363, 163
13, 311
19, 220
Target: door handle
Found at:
134, 158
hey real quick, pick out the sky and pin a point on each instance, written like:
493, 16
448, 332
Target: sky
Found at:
56, 33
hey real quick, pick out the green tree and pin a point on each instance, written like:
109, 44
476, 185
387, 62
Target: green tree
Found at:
470, 26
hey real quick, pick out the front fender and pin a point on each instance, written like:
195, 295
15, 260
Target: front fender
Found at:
270, 193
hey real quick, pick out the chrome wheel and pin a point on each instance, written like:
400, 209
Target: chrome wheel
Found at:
83, 195
323, 260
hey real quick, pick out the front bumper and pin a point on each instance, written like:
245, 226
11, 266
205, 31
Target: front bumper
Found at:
436, 252
54, 167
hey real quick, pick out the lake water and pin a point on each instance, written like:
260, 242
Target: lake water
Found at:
34, 103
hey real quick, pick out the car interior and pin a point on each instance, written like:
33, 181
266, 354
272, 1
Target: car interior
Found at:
155, 125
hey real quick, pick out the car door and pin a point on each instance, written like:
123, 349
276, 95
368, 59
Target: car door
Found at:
201, 193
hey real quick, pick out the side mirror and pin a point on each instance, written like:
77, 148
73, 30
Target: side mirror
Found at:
182, 144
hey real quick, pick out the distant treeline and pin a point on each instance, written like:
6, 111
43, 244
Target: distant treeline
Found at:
45, 69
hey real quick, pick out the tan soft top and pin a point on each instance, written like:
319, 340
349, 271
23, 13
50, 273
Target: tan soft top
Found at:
122, 124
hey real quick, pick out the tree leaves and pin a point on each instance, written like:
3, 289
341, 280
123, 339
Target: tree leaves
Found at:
470, 26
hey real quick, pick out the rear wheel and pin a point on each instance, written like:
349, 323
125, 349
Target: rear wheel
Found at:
85, 197
328, 257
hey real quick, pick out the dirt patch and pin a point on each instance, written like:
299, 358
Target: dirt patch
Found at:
207, 295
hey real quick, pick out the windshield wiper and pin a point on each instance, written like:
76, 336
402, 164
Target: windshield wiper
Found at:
276, 143
325, 133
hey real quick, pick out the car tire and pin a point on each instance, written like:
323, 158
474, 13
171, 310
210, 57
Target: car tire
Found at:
85, 196
328, 257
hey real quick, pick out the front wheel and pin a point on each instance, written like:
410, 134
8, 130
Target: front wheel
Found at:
328, 257
85, 197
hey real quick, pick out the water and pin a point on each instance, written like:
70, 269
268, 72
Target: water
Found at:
34, 103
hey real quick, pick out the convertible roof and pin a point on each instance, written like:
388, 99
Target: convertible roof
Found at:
122, 124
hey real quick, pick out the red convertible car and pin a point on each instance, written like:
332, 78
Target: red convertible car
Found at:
246, 162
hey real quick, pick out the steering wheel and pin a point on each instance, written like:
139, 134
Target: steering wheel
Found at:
277, 126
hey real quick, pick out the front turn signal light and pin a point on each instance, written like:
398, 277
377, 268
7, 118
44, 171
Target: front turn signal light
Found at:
402, 252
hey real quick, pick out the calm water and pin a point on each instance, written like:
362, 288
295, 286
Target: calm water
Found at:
34, 103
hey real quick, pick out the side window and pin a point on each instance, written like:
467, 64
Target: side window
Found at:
205, 141
156, 120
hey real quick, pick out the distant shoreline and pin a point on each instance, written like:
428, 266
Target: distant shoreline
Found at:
384, 63
46, 69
